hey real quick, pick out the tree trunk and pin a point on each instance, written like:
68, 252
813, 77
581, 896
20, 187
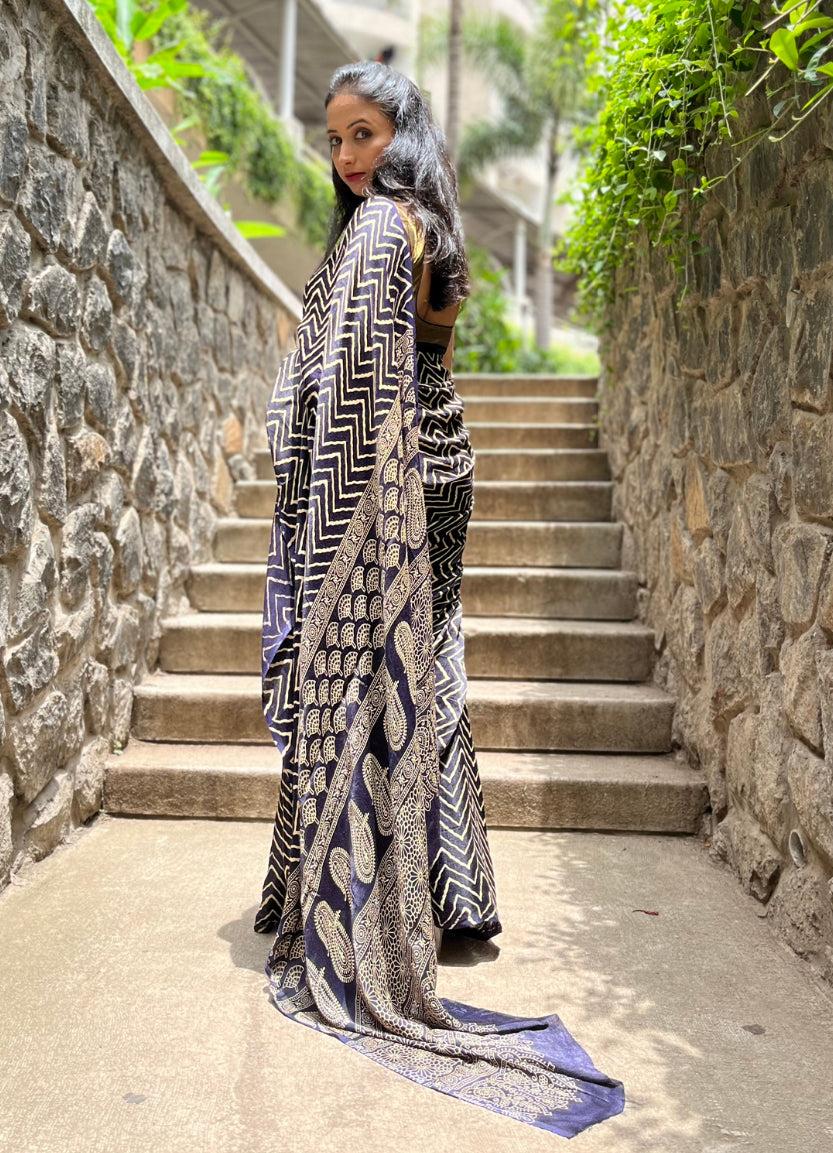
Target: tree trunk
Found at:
455, 68
544, 277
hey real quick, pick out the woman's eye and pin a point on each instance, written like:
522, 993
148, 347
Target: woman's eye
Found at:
362, 134
334, 140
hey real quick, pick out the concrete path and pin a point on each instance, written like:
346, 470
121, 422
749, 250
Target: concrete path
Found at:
134, 1018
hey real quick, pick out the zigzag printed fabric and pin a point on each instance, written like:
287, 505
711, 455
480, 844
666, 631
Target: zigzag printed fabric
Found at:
380, 830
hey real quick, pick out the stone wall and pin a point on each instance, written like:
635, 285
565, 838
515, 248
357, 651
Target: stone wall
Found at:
717, 411
139, 336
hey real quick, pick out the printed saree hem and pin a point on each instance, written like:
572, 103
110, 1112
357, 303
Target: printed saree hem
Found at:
380, 828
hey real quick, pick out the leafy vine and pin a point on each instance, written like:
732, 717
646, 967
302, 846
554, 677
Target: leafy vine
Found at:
671, 77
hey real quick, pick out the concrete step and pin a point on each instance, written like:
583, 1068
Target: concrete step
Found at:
654, 794
512, 648
538, 464
532, 715
518, 435
568, 594
530, 409
516, 464
517, 384
574, 594
548, 544
494, 499
551, 500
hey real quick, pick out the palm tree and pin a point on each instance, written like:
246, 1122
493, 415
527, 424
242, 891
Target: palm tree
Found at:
542, 81
455, 53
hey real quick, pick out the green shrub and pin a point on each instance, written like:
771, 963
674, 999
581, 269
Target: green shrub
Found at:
485, 340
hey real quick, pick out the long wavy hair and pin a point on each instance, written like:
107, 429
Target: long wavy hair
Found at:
414, 169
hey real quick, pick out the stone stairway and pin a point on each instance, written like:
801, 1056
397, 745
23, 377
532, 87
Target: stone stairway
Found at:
570, 731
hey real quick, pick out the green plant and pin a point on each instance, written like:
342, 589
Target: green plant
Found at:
485, 340
672, 77
129, 22
218, 98
541, 81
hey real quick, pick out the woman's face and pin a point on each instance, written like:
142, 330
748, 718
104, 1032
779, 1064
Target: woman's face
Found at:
359, 133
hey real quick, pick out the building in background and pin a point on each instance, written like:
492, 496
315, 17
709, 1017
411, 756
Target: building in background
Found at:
294, 46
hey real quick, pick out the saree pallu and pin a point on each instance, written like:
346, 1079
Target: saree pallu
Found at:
380, 831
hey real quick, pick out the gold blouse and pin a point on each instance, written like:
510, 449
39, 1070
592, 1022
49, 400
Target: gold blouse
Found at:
431, 327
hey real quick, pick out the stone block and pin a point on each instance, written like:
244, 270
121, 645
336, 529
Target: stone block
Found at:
144, 474
754, 326
812, 349
35, 88
29, 356
102, 159
741, 759
73, 630
5, 610
101, 395
708, 573
89, 779
773, 742
86, 455
777, 259
186, 368
119, 266
119, 637
217, 288
802, 913
34, 745
104, 560
232, 435
813, 477
709, 261
722, 499
824, 667
696, 506
6, 804
127, 197
802, 696
741, 558
128, 353
97, 321
121, 709
13, 143
77, 547
71, 379
770, 411
221, 487
31, 664
66, 123
811, 789
769, 618
109, 495
91, 234
780, 468
16, 513
46, 821
43, 203
96, 683
222, 348
813, 229
730, 428
52, 300
685, 634
130, 552
15, 253
749, 850
801, 552
36, 584
758, 500
124, 437
724, 677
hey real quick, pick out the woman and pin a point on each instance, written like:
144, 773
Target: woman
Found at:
380, 836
